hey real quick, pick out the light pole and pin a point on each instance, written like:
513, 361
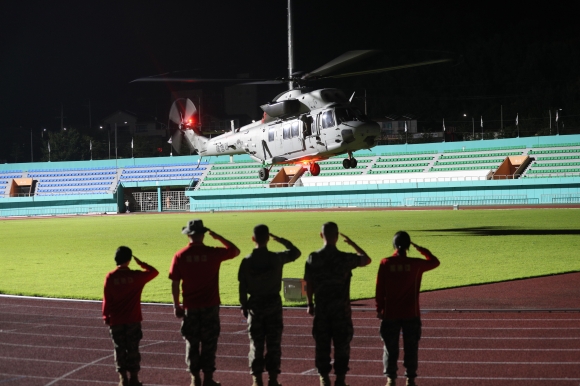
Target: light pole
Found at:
557, 126
109, 138
472, 126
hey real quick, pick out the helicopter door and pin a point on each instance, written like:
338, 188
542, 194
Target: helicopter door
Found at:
292, 136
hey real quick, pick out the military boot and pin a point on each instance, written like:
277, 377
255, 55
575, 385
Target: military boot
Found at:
340, 380
411, 382
391, 382
195, 379
324, 380
257, 380
123, 380
209, 381
134, 381
273, 380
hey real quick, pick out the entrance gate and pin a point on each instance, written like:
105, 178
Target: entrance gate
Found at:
170, 201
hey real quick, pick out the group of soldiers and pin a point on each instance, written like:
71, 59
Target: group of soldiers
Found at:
194, 273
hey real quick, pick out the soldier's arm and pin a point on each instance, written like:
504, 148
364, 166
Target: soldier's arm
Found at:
147, 268
431, 258
231, 247
365, 259
106, 300
175, 289
310, 297
243, 291
292, 253
309, 287
380, 292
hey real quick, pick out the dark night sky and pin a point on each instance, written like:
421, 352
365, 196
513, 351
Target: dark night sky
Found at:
70, 52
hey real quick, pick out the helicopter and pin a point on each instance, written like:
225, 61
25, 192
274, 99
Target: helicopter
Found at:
302, 125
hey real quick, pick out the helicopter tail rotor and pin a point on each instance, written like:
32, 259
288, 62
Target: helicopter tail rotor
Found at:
182, 114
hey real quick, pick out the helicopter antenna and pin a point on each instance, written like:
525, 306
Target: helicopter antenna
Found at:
290, 47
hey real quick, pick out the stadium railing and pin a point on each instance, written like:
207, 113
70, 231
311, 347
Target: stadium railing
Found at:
470, 200
59, 211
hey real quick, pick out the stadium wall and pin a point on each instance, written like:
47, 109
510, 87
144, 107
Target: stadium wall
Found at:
490, 192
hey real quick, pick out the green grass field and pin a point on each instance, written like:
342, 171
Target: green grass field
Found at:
69, 257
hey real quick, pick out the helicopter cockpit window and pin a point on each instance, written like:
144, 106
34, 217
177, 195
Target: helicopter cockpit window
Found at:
327, 119
286, 132
348, 114
271, 134
296, 129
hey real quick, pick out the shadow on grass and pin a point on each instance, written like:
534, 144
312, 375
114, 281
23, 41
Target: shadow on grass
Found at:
506, 231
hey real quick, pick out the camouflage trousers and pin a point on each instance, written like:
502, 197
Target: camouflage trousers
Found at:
201, 329
126, 339
265, 325
332, 325
390, 331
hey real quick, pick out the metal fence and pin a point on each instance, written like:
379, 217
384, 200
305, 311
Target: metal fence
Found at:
213, 205
470, 200
149, 201
572, 198
59, 211
174, 201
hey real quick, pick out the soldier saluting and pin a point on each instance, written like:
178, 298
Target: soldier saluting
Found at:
327, 274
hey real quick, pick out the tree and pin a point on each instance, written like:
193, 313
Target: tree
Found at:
67, 145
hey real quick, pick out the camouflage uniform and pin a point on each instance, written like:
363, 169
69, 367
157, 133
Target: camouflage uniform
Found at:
265, 325
329, 271
260, 276
201, 326
126, 339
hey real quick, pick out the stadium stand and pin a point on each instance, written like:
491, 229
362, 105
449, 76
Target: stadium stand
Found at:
73, 181
437, 174
554, 161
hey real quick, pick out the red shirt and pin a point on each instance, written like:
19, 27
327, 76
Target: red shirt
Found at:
198, 267
122, 294
399, 284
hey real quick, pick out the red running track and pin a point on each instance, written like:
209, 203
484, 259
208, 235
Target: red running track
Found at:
524, 332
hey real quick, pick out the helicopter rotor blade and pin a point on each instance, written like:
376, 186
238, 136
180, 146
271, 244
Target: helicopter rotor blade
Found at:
190, 145
343, 60
189, 110
385, 69
174, 113
176, 141
182, 111
195, 80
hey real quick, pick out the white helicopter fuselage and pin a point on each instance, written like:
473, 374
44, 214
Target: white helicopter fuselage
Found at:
299, 126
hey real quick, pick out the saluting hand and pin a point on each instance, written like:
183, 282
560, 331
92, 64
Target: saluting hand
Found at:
418, 247
347, 239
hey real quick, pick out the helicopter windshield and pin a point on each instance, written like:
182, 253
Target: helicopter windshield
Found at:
327, 119
344, 114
